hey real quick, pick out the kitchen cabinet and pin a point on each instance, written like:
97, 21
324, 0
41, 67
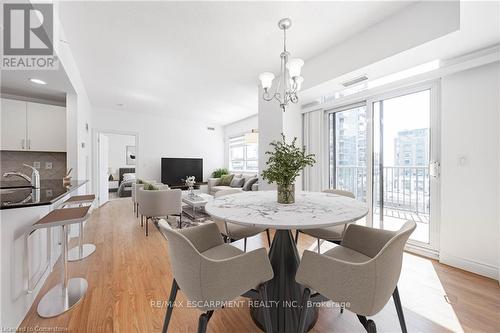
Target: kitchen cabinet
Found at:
46, 127
28, 126
13, 119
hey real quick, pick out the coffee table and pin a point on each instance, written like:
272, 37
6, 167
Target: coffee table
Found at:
198, 201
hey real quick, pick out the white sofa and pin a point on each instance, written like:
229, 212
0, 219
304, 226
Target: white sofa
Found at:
213, 183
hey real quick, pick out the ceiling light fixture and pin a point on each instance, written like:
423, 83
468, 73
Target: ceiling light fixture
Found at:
37, 81
290, 80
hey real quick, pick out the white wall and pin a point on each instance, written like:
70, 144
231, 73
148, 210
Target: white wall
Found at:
242, 126
160, 136
470, 218
117, 147
78, 108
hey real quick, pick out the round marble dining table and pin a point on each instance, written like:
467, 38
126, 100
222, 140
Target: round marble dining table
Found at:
310, 210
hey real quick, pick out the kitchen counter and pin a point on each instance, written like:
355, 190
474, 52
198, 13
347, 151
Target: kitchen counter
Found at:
28, 256
19, 194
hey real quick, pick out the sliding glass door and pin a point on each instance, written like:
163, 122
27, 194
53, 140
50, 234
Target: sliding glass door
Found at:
401, 160
348, 159
385, 152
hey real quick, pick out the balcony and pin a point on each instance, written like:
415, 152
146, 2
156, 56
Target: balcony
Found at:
404, 195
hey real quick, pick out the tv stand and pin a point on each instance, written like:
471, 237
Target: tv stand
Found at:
185, 188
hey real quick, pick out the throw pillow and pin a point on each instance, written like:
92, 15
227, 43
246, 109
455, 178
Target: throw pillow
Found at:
237, 182
249, 183
225, 180
150, 187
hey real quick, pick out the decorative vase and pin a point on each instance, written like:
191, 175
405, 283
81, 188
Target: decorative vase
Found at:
191, 191
286, 194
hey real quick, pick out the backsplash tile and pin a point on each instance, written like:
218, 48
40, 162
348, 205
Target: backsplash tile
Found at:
14, 160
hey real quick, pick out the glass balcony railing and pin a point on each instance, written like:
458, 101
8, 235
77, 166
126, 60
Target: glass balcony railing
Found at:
405, 188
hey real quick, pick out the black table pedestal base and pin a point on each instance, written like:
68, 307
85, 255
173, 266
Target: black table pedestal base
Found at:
284, 294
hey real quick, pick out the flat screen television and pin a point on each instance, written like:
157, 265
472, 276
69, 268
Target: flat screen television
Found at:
173, 170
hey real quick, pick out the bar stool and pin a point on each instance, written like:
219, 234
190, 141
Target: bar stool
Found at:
69, 292
81, 251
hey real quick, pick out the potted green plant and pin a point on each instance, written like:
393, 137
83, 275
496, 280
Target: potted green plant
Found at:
284, 165
220, 172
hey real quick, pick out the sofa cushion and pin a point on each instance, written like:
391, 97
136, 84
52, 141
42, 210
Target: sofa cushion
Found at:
237, 182
150, 187
220, 188
249, 183
225, 180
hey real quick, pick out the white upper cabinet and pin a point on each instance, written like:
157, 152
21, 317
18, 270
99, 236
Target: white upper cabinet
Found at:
46, 130
13, 119
32, 126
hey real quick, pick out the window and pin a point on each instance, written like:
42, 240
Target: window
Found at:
243, 156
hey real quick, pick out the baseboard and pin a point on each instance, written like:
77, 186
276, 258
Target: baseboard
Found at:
469, 265
422, 251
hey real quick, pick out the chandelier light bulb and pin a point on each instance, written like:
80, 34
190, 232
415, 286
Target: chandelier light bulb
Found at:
298, 82
294, 66
266, 79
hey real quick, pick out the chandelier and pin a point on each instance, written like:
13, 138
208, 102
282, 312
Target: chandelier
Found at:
290, 81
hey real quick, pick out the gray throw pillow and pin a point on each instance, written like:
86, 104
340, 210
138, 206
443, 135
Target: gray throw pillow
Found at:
237, 182
248, 184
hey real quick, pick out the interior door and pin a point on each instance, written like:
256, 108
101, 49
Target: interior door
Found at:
103, 148
404, 146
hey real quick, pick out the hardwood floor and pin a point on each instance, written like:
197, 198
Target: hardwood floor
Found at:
129, 277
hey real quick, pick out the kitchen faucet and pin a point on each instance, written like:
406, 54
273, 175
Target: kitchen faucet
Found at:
35, 176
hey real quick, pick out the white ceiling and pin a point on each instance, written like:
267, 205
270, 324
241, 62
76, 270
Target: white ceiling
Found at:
199, 60
16, 82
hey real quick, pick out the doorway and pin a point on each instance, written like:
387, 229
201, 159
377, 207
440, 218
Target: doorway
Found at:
116, 167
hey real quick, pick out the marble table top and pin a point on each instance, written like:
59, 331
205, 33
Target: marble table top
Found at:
310, 210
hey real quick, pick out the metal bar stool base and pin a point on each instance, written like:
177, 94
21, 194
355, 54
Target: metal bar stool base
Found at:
74, 253
54, 303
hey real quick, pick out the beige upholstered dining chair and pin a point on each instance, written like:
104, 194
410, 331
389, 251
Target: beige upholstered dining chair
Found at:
159, 203
233, 231
332, 234
135, 186
362, 272
212, 273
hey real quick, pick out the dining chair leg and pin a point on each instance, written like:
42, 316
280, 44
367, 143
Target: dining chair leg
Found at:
170, 305
296, 236
147, 218
267, 314
268, 238
203, 321
368, 324
137, 210
399, 310
245, 245
319, 246
303, 312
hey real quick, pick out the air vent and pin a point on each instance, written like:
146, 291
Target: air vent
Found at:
211, 128
310, 105
355, 80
